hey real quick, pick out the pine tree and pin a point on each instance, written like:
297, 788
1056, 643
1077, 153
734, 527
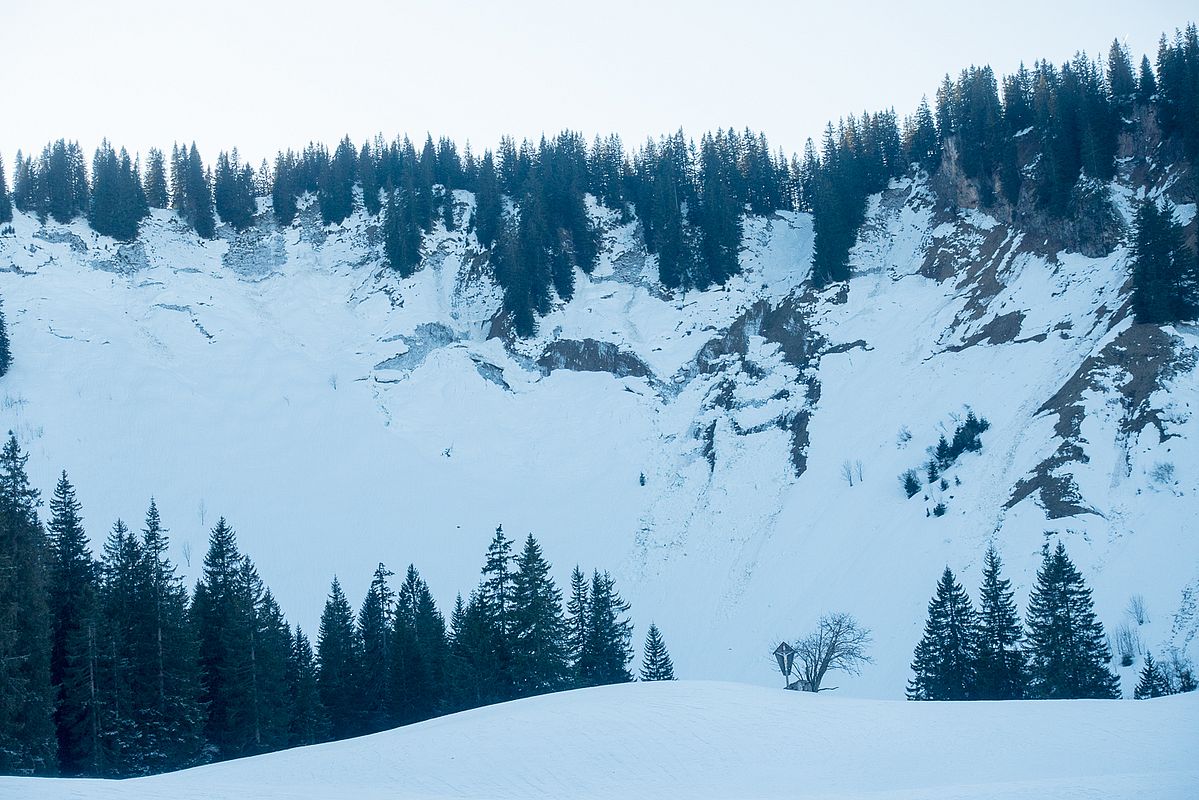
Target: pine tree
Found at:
5, 346
540, 656
339, 666
576, 622
488, 216
1000, 672
495, 602
608, 649
118, 201
1067, 650
335, 190
27, 736
419, 652
655, 662
73, 579
469, 667
375, 624
1165, 273
1153, 682
121, 558
5, 200
309, 723
947, 655
165, 696
155, 180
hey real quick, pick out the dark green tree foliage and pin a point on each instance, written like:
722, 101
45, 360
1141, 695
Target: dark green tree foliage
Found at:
191, 194
1178, 87
375, 621
489, 204
947, 655
1165, 272
244, 646
576, 621
607, 649
1146, 81
73, 581
233, 191
165, 694
655, 661
285, 188
1000, 672
368, 178
920, 143
55, 186
309, 723
335, 187
1121, 83
420, 653
339, 661
401, 233
1153, 681
120, 562
5, 200
154, 182
540, 658
1067, 650
495, 601
469, 665
118, 202
27, 736
5, 345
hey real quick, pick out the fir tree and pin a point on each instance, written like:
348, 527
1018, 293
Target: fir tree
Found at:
120, 562
419, 652
540, 657
375, 623
5, 200
1000, 672
1067, 650
947, 655
1165, 273
155, 180
27, 736
1153, 682
5, 346
576, 622
339, 666
608, 649
488, 214
335, 189
309, 723
118, 202
655, 661
73, 591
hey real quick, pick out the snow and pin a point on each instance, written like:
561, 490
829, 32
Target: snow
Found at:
717, 740
339, 416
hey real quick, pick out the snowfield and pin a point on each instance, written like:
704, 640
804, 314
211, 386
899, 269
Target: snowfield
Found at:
339, 416
722, 741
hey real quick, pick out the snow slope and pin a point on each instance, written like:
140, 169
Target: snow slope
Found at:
339, 416
721, 741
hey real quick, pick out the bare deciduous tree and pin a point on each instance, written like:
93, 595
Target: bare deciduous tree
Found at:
838, 643
847, 471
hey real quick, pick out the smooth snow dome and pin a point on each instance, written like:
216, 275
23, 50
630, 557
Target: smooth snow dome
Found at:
338, 416
717, 741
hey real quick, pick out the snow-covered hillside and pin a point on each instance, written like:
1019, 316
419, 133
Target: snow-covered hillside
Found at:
717, 740
339, 416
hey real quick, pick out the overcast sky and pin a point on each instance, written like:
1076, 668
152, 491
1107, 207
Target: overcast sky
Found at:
267, 74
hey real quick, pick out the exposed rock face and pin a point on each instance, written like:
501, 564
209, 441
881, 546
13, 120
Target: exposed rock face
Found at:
590, 355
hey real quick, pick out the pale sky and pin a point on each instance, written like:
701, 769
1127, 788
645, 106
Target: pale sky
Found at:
266, 74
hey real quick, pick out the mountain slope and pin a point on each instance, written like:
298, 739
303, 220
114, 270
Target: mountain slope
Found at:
339, 416
718, 740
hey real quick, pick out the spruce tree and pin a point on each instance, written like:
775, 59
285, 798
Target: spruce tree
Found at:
27, 736
947, 655
1153, 681
155, 180
5, 200
73, 578
655, 661
576, 622
120, 562
540, 655
608, 649
5, 346
495, 603
339, 666
488, 203
1068, 653
1000, 672
165, 696
375, 623
419, 652
309, 723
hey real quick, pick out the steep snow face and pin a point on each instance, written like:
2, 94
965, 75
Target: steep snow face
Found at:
732, 456
717, 740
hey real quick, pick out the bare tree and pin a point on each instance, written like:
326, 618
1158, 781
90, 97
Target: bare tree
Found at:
847, 472
838, 643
